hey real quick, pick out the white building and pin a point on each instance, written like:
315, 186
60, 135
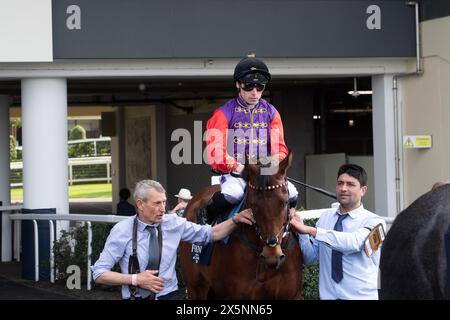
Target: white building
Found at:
162, 66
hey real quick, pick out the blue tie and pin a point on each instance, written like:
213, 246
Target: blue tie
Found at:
336, 256
153, 258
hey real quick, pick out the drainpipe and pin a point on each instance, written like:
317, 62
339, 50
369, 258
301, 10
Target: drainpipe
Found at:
419, 69
398, 130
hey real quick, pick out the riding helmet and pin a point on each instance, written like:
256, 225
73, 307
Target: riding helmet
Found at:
252, 70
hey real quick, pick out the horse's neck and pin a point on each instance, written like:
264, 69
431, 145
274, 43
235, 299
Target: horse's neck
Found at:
249, 231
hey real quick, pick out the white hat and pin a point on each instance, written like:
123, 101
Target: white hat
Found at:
184, 194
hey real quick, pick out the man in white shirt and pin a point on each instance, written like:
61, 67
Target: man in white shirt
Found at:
337, 241
158, 282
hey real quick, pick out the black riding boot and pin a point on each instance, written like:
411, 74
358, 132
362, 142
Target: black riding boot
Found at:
217, 206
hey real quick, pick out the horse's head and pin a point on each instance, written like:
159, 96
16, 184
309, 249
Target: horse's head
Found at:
268, 198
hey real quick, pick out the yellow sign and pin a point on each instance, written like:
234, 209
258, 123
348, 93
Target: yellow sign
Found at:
419, 142
374, 240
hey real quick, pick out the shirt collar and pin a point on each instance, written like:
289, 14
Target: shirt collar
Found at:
352, 213
244, 104
143, 225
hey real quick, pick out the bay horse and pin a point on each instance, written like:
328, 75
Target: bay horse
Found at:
413, 262
262, 261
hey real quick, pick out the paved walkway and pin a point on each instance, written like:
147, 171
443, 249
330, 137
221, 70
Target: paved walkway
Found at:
14, 287
11, 290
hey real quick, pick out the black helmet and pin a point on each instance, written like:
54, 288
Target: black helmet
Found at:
252, 70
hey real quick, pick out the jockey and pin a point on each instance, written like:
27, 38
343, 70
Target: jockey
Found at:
250, 127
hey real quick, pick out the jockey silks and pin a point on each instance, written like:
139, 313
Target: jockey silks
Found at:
253, 132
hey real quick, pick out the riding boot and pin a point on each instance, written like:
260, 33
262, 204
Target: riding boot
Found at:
217, 206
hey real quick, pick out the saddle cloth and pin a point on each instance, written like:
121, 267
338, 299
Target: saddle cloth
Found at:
201, 254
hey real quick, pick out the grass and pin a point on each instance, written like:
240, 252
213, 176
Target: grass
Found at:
97, 190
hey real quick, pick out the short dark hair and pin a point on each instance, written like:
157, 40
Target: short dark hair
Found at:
354, 171
124, 193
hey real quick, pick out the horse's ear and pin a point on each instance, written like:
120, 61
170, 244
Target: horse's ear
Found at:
285, 164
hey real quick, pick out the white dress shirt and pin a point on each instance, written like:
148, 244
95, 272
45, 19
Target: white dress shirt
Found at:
360, 280
118, 248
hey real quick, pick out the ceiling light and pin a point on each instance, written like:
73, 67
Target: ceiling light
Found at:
142, 87
349, 110
357, 93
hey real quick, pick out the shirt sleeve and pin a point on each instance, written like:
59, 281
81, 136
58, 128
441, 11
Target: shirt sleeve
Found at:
216, 143
310, 249
277, 145
112, 252
196, 233
348, 242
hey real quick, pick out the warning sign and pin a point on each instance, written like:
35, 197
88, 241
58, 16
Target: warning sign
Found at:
419, 142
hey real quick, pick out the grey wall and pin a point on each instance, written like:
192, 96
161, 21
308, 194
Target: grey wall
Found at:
138, 150
162, 138
432, 9
321, 171
191, 176
367, 163
295, 106
231, 29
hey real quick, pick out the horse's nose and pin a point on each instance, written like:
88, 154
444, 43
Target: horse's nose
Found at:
272, 258
272, 241
281, 258
274, 264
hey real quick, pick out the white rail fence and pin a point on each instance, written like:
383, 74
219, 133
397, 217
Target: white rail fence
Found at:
89, 160
80, 170
92, 142
16, 218
52, 218
95, 146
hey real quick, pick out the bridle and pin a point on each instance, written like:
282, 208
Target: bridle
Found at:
274, 239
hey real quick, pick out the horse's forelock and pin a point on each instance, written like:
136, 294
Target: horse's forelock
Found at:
262, 180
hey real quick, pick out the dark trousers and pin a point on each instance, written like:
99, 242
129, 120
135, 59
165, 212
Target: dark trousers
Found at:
174, 295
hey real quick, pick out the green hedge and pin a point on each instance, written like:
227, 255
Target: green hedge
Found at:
12, 148
310, 275
71, 248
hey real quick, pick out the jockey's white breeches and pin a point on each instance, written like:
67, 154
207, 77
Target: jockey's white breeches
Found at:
233, 188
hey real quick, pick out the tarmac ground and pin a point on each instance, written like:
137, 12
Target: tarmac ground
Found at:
14, 287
